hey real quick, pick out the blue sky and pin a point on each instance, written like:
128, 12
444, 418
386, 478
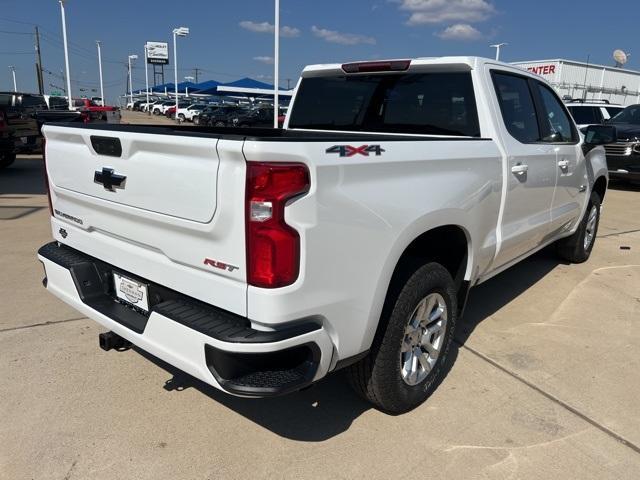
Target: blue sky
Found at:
231, 39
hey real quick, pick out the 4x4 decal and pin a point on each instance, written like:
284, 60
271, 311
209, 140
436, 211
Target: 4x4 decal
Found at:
350, 151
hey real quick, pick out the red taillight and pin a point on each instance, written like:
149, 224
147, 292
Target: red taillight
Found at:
46, 175
383, 66
273, 247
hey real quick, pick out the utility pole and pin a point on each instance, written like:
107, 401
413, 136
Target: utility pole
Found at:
196, 70
39, 64
104, 103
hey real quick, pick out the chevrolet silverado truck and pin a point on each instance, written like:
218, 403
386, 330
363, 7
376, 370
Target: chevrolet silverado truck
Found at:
260, 260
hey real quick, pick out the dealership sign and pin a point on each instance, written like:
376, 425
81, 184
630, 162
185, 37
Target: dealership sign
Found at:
158, 53
543, 69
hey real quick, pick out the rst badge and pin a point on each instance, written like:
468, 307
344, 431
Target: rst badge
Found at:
350, 151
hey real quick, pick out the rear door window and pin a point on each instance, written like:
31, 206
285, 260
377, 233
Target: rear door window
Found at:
517, 107
440, 103
557, 125
33, 101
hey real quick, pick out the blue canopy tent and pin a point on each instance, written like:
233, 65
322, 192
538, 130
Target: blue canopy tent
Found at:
249, 83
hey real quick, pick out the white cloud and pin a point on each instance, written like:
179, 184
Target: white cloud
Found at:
459, 31
441, 11
266, 27
342, 38
264, 59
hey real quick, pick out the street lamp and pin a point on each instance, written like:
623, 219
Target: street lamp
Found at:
13, 72
104, 103
146, 76
131, 57
66, 52
497, 47
177, 32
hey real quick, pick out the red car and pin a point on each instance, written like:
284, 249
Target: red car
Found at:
95, 113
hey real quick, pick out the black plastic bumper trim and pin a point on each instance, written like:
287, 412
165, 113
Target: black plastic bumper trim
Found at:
93, 279
264, 374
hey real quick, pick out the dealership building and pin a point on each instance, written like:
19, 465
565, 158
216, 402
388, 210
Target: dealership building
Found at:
588, 81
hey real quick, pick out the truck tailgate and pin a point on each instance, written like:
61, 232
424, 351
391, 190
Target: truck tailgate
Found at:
169, 215
170, 175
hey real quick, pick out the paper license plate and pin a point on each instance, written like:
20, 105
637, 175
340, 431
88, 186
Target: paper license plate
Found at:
131, 291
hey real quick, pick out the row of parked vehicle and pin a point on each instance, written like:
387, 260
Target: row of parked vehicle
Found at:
22, 116
212, 114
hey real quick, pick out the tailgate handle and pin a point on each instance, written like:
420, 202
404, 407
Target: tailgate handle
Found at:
109, 146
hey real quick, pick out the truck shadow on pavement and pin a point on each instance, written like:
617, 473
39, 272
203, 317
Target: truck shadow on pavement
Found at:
329, 407
24, 177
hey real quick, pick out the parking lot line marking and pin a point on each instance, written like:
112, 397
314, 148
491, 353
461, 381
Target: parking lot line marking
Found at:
553, 398
43, 324
619, 233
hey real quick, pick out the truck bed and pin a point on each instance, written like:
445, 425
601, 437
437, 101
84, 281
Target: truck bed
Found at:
259, 134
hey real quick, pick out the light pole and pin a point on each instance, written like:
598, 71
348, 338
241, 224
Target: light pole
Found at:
177, 32
131, 57
276, 63
66, 53
100, 69
497, 47
188, 78
13, 72
146, 75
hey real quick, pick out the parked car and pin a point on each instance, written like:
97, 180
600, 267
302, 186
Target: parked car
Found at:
202, 118
260, 263
97, 113
161, 107
18, 133
623, 156
171, 111
257, 118
223, 116
187, 113
144, 106
592, 112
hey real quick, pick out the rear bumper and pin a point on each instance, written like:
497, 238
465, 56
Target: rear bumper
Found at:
216, 346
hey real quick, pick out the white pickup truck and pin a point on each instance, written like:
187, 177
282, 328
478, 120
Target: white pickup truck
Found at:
260, 260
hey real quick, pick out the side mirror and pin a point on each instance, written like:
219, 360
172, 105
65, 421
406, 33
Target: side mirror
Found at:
600, 135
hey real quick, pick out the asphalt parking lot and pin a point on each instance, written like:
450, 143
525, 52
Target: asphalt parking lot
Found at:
544, 383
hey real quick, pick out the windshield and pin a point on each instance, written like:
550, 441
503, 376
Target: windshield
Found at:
441, 103
630, 115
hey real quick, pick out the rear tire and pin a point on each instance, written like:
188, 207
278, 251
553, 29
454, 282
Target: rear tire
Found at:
388, 376
7, 159
577, 248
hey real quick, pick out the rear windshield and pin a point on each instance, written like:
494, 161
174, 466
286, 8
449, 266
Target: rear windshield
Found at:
586, 115
419, 103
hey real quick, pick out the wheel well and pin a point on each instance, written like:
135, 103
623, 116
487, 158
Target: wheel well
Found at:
446, 245
600, 187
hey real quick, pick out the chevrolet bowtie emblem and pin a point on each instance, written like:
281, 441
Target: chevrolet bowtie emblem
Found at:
109, 179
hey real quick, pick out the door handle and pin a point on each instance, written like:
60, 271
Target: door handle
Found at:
563, 164
519, 169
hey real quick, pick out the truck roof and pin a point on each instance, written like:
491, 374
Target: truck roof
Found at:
451, 62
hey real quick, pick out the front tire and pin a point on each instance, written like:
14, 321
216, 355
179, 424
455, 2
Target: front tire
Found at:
577, 248
405, 363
